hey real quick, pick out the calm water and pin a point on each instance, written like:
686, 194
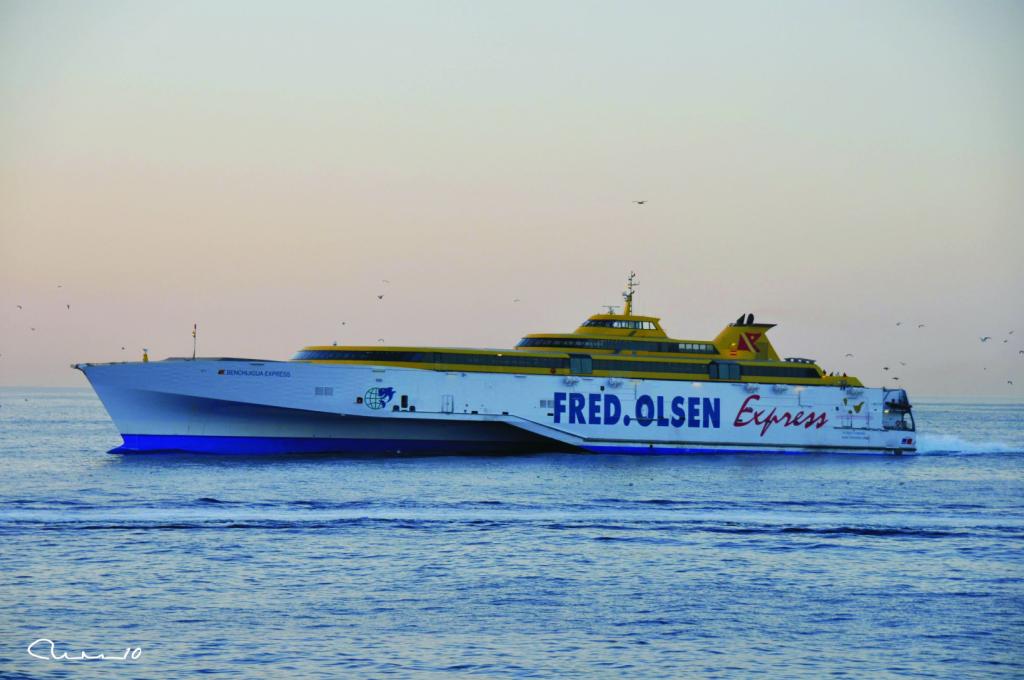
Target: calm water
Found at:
532, 566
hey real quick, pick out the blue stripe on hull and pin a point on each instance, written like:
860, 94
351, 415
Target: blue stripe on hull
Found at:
667, 451
139, 443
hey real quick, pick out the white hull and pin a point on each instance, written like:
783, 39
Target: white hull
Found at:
219, 405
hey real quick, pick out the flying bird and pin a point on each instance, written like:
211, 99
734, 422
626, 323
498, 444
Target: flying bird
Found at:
885, 368
33, 328
68, 306
899, 323
1009, 382
342, 323
903, 363
1020, 351
19, 307
1005, 340
122, 346
920, 325
380, 297
385, 281
380, 339
516, 300
849, 355
640, 202
986, 338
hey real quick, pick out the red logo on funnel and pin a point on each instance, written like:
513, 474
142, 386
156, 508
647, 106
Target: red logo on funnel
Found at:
748, 342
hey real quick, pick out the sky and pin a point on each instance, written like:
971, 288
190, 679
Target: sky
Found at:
261, 168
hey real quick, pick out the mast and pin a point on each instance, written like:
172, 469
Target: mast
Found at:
631, 286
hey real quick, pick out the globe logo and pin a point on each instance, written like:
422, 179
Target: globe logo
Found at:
378, 397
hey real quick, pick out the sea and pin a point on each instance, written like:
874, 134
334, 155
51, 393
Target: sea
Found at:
523, 566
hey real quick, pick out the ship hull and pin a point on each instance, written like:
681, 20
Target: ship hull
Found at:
249, 407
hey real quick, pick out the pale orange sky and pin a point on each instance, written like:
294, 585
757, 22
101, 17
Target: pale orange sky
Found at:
260, 168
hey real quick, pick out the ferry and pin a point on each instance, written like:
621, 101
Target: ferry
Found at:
617, 384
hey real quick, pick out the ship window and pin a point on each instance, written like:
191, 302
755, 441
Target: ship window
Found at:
622, 345
616, 366
781, 371
506, 360
621, 323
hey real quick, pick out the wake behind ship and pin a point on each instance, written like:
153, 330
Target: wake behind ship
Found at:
616, 384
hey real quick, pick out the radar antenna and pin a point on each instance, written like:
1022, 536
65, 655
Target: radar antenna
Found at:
631, 286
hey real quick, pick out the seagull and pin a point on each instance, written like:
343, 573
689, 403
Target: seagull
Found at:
986, 338
122, 347
516, 300
1005, 340
1020, 351
380, 297
33, 328
920, 325
380, 339
68, 306
640, 202
885, 368
903, 363
849, 355
59, 286
1009, 382
899, 323
385, 281
342, 323
19, 307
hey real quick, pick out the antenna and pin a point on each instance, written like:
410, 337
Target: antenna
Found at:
631, 286
195, 327
611, 308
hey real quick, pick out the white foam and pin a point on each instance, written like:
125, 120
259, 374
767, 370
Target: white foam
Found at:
950, 443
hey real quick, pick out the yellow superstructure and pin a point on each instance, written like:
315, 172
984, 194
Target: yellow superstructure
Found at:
608, 345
